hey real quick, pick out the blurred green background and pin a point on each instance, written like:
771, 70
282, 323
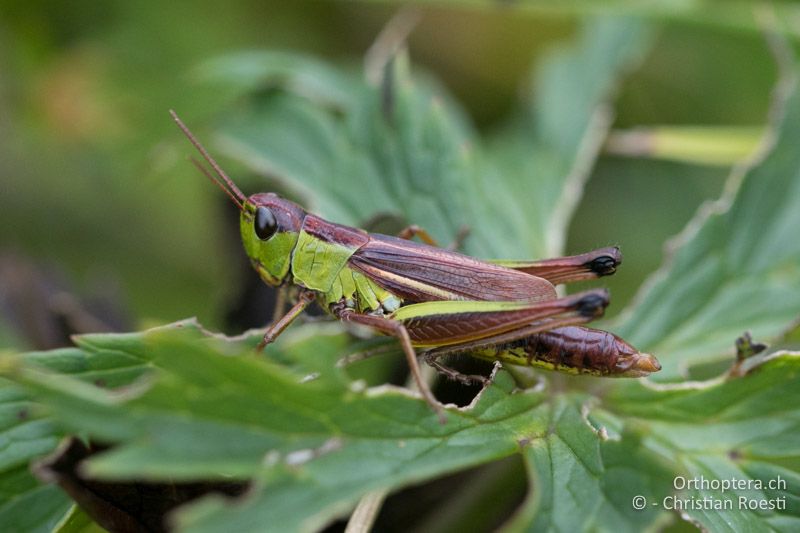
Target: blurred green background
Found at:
96, 190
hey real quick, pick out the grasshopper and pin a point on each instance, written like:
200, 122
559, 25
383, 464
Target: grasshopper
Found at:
430, 298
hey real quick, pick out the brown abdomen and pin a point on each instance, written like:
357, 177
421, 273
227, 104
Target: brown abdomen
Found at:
573, 349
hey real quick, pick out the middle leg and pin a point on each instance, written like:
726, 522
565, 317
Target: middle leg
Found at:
416, 231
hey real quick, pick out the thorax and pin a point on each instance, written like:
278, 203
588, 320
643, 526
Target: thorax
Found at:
319, 263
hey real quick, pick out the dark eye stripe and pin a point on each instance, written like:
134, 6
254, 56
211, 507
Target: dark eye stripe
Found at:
265, 224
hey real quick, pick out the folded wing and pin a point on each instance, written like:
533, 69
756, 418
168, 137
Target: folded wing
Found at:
420, 273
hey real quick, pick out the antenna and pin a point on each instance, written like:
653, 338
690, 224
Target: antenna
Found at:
232, 190
215, 181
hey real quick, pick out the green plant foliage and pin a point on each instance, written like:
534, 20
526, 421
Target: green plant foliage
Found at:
353, 149
28, 434
656, 434
76, 521
211, 409
735, 268
25, 435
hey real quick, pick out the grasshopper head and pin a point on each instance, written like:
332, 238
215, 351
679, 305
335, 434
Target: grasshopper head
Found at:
270, 227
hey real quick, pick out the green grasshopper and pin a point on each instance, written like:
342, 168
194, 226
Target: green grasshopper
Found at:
431, 298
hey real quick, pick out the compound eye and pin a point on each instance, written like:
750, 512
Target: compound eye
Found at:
265, 223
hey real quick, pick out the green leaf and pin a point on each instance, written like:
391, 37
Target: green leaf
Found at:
258, 71
582, 480
77, 521
540, 161
645, 441
352, 162
25, 435
740, 428
197, 392
26, 505
404, 148
736, 267
211, 409
208, 416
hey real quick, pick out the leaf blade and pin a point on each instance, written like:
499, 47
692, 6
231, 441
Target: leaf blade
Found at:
734, 268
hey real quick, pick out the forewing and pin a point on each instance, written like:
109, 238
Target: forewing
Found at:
418, 273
